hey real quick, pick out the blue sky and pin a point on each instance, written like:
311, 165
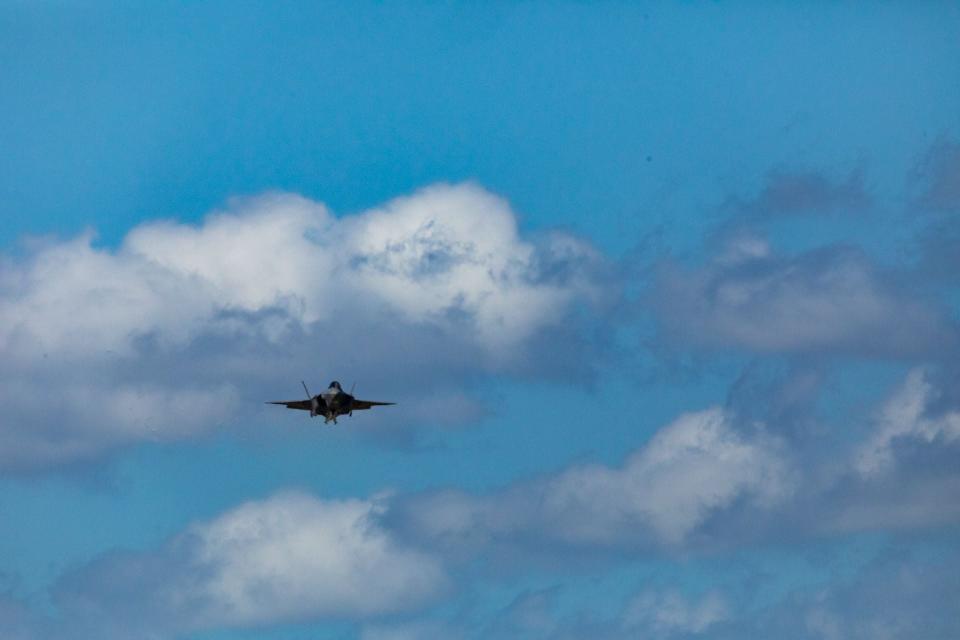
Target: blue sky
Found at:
667, 294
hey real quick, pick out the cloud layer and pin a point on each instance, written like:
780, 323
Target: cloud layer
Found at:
183, 327
705, 481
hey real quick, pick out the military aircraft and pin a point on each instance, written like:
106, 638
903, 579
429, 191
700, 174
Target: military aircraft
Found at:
331, 403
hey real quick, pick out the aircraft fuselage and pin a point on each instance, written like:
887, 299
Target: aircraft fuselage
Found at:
335, 402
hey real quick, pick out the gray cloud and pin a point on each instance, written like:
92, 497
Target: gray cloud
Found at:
937, 180
797, 192
939, 253
782, 394
898, 595
890, 469
830, 301
938, 177
17, 622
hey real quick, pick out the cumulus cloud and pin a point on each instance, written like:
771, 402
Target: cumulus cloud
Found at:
446, 252
177, 328
828, 301
723, 478
690, 470
706, 480
693, 467
286, 558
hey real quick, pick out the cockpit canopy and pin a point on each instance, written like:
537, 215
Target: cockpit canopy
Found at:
336, 385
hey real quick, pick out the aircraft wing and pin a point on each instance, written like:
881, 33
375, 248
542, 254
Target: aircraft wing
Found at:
299, 404
359, 405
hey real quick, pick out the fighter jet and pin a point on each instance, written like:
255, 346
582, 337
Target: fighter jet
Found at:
331, 403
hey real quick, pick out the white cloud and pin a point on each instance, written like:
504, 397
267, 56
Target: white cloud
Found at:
190, 319
421, 260
691, 469
294, 555
445, 249
274, 250
289, 557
